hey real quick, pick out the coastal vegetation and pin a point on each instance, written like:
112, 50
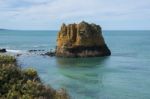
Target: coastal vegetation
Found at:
16, 83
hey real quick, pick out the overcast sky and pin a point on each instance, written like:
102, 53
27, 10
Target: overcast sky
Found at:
50, 14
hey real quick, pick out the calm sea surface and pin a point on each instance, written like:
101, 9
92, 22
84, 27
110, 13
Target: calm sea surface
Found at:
123, 75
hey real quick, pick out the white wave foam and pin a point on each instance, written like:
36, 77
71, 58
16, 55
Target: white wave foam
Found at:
42, 45
15, 51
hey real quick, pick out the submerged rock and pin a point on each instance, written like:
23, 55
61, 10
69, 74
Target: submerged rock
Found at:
81, 40
51, 54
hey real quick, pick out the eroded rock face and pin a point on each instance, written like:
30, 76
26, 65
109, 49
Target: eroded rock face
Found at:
81, 40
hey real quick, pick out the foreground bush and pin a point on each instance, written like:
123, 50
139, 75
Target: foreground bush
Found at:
24, 84
7, 59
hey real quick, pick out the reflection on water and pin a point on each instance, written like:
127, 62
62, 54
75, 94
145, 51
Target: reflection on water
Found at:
81, 62
84, 76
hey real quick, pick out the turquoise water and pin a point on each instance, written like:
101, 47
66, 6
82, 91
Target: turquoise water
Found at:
123, 75
27, 40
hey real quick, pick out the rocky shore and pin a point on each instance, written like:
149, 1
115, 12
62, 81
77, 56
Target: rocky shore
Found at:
81, 40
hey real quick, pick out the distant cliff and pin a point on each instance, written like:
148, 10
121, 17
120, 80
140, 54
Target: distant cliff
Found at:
81, 40
2, 29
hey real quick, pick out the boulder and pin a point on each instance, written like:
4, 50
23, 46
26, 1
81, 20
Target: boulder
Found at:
81, 40
51, 54
3, 50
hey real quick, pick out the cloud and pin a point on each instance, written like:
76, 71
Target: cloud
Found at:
37, 1
49, 14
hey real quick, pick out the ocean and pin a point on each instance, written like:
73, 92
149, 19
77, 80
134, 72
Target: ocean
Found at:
123, 75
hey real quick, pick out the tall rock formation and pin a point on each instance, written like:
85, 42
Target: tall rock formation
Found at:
81, 40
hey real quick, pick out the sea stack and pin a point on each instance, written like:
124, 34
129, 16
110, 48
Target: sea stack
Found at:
81, 40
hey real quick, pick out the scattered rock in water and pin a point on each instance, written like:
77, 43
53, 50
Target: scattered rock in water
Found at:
3, 50
81, 40
18, 55
35, 50
51, 54
43, 52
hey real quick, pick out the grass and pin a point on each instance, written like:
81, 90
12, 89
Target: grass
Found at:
16, 83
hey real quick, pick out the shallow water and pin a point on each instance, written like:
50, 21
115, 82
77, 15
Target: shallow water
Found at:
123, 75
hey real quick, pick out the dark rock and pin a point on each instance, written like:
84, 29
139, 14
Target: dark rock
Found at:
81, 40
18, 55
49, 54
32, 50
35, 50
3, 50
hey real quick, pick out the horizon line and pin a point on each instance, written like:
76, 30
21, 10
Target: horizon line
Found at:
58, 30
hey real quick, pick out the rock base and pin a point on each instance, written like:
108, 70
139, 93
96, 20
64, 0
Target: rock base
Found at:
84, 51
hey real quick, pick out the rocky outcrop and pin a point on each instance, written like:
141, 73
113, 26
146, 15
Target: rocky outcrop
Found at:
81, 40
3, 50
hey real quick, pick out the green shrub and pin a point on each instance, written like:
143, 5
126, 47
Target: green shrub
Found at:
23, 84
5, 59
30, 74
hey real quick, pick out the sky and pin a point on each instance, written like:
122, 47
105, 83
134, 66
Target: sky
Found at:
50, 14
